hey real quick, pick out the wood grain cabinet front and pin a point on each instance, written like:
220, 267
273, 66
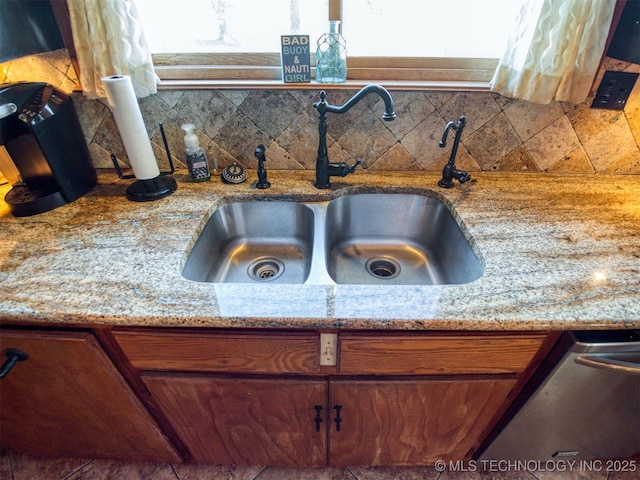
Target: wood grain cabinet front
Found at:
236, 397
231, 352
245, 421
67, 399
261, 398
437, 353
288, 422
412, 421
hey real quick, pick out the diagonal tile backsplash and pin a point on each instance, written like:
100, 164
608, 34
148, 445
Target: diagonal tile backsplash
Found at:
501, 134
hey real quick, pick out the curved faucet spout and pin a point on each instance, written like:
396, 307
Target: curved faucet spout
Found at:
324, 168
445, 134
388, 115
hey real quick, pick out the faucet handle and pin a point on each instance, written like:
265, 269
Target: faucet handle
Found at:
462, 176
342, 169
353, 167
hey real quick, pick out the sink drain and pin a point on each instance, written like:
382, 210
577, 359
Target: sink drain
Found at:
383, 267
265, 269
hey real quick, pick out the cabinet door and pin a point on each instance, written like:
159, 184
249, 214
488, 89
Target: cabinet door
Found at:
245, 421
68, 399
410, 422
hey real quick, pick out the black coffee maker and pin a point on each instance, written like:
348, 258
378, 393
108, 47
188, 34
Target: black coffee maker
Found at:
40, 130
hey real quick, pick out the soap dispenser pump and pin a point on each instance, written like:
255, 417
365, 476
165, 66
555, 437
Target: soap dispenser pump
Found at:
195, 155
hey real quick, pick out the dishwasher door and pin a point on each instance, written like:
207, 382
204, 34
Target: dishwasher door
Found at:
588, 407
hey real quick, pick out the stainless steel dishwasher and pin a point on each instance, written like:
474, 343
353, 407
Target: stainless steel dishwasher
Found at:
587, 407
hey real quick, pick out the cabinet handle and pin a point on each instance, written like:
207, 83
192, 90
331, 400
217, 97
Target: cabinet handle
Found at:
13, 356
318, 418
338, 420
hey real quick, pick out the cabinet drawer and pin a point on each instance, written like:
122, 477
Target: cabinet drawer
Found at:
221, 352
438, 354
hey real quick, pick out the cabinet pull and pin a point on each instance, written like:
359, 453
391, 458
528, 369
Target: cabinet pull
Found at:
338, 420
318, 418
13, 356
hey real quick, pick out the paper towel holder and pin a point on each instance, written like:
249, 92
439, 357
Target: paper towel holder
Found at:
153, 188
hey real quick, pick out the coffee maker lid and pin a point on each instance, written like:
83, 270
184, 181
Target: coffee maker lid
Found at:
19, 92
13, 97
31, 102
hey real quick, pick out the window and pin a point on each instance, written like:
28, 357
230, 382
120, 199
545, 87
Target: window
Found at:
225, 26
405, 41
431, 28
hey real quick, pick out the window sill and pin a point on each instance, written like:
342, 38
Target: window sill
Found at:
349, 84
263, 71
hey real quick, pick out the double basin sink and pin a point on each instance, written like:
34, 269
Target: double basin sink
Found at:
364, 238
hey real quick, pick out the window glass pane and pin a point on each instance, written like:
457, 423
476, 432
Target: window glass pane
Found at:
193, 26
428, 28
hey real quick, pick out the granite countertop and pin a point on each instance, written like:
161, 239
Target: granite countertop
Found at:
560, 252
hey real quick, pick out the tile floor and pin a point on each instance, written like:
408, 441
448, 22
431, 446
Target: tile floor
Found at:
20, 467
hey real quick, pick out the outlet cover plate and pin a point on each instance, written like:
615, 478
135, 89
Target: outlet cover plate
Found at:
328, 349
614, 90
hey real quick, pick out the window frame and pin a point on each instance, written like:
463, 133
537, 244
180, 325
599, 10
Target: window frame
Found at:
247, 69
431, 69
190, 71
263, 70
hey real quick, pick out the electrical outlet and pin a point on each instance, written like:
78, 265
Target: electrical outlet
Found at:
614, 90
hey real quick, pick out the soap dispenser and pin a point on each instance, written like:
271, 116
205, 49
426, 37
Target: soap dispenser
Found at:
195, 155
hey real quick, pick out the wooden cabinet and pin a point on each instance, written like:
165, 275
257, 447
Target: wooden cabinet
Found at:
411, 422
452, 388
241, 419
245, 421
392, 399
437, 353
278, 353
68, 399
287, 422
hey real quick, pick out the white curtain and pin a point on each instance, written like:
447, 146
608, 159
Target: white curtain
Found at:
109, 41
554, 51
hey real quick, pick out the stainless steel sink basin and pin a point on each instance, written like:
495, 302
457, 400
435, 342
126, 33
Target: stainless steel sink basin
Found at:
247, 242
400, 239
369, 238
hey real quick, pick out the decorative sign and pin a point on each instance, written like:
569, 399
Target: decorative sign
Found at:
296, 58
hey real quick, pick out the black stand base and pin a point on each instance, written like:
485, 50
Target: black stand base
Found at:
151, 189
24, 202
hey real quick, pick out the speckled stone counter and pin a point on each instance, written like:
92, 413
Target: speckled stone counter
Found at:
560, 252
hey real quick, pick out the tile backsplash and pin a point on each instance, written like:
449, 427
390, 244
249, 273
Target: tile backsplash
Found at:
500, 135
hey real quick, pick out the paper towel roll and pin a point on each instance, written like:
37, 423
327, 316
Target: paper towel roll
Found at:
126, 112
